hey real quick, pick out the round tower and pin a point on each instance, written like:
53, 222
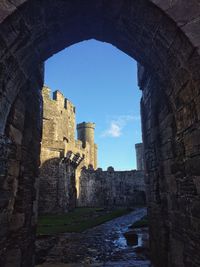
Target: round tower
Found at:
85, 132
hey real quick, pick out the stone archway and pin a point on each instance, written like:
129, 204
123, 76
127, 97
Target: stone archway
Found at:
163, 37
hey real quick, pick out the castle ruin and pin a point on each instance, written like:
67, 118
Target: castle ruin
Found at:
68, 172
161, 35
58, 143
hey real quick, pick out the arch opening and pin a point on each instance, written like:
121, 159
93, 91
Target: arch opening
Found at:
98, 82
160, 40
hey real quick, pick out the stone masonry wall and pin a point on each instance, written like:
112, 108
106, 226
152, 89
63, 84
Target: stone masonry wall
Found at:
58, 138
139, 156
19, 175
111, 188
54, 187
162, 35
171, 148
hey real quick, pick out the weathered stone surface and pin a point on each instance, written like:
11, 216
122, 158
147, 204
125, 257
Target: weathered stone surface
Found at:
111, 188
103, 245
171, 146
164, 38
17, 221
58, 186
14, 258
139, 156
18, 195
61, 185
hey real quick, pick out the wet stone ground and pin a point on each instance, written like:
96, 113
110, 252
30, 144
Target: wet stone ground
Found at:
104, 245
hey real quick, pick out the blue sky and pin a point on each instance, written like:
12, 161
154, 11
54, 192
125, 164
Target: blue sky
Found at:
101, 81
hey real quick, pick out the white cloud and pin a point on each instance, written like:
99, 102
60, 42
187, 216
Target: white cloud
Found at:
114, 130
116, 125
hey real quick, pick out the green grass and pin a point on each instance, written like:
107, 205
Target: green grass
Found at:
141, 223
76, 221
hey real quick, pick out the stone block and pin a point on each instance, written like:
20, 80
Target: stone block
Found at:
6, 8
5, 198
17, 221
196, 180
195, 209
13, 168
13, 258
192, 143
192, 165
177, 248
183, 11
15, 135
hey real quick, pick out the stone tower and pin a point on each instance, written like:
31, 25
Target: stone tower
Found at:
59, 176
85, 131
139, 156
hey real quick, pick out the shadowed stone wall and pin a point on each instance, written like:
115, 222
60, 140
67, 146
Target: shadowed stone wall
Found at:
171, 146
58, 192
111, 188
162, 35
19, 154
54, 189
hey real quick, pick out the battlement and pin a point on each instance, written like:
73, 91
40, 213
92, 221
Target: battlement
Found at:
86, 125
111, 170
68, 105
46, 91
58, 98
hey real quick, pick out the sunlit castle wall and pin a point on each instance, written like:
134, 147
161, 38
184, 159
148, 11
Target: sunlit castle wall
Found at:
85, 133
58, 138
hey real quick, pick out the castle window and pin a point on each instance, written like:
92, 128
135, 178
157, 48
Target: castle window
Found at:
65, 139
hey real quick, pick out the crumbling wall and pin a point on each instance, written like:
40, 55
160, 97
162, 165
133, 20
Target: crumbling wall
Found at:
111, 188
